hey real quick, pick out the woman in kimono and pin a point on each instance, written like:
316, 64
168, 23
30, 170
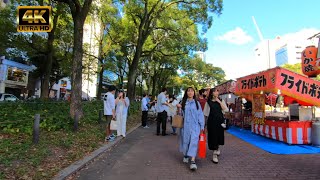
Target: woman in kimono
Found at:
215, 122
122, 104
192, 125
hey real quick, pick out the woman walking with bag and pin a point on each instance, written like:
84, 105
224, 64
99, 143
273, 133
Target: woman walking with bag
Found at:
192, 126
215, 122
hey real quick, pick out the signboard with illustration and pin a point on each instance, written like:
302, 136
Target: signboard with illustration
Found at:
258, 107
227, 87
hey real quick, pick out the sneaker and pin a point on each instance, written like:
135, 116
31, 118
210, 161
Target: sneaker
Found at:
106, 138
215, 159
111, 139
112, 135
218, 152
145, 127
185, 160
224, 125
193, 166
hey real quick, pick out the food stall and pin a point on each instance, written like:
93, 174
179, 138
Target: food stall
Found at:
289, 120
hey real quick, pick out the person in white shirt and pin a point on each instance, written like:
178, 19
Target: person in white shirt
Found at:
162, 109
144, 109
109, 110
173, 111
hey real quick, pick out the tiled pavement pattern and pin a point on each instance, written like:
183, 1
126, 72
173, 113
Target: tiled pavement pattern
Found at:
143, 155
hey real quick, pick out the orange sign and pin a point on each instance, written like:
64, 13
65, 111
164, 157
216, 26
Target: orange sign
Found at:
253, 84
310, 65
279, 80
298, 86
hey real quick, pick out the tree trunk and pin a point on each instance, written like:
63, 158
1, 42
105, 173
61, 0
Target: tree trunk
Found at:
133, 72
154, 82
46, 82
76, 106
100, 83
148, 85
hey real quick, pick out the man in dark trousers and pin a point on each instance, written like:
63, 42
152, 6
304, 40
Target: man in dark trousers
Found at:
144, 109
162, 109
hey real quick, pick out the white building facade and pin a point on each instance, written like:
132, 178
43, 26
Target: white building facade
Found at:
282, 50
14, 76
91, 36
201, 55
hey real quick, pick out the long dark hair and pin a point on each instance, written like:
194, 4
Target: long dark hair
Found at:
185, 97
211, 92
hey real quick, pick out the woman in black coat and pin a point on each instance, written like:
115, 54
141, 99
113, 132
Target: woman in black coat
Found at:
215, 122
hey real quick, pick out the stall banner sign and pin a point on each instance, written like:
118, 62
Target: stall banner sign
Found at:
298, 86
255, 83
258, 107
283, 81
238, 104
271, 99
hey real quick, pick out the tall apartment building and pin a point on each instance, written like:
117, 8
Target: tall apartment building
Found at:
282, 50
289, 52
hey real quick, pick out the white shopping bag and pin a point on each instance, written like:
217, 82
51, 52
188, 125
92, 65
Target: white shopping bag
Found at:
113, 125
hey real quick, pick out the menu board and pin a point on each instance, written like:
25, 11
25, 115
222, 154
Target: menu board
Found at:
258, 107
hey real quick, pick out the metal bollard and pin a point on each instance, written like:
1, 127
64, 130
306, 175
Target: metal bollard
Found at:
100, 116
76, 121
36, 130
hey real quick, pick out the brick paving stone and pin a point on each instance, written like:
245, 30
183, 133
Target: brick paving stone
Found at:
143, 155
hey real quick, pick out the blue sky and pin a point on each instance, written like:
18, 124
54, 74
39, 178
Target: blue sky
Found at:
274, 18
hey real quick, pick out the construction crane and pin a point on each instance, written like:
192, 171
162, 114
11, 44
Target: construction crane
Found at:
258, 29
261, 38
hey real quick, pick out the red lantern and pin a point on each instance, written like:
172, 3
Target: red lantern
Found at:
309, 63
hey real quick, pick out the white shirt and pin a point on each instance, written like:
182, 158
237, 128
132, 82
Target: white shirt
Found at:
160, 100
144, 103
109, 104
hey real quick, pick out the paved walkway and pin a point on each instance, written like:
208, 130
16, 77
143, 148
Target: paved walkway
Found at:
143, 155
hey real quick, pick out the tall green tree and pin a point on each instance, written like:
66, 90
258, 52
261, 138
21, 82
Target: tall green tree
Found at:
144, 15
57, 12
7, 28
79, 11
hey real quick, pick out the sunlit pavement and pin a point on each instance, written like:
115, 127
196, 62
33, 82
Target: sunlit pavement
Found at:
143, 155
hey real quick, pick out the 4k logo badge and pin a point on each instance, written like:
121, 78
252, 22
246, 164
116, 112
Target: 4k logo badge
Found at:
34, 19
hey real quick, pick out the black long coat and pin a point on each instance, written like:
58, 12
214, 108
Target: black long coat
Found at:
215, 130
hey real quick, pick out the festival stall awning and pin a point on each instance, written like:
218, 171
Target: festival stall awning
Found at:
278, 80
227, 87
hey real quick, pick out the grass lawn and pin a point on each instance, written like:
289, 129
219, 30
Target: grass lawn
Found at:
21, 159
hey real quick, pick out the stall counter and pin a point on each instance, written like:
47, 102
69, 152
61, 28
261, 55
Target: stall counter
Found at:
291, 132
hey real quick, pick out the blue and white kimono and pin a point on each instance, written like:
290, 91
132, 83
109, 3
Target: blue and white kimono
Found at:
193, 124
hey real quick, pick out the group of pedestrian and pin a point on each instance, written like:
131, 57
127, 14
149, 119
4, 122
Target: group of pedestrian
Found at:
202, 112
115, 109
205, 111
